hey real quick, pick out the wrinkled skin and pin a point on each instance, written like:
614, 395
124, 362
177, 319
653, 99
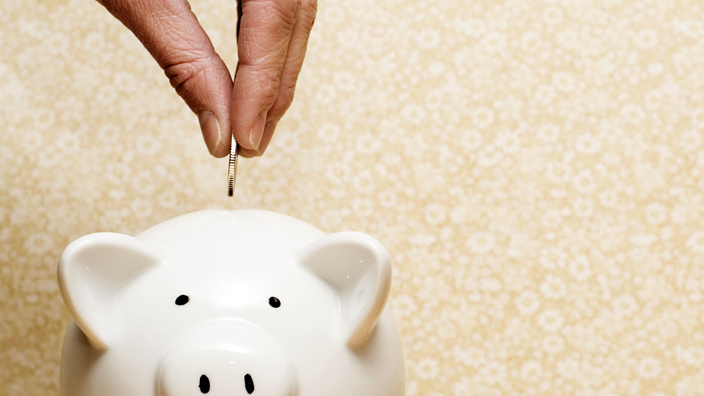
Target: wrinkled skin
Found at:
272, 40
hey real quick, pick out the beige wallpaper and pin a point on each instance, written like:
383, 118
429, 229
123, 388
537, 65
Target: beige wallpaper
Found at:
534, 167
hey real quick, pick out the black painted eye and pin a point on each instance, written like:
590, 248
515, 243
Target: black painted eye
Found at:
274, 302
182, 300
248, 383
204, 384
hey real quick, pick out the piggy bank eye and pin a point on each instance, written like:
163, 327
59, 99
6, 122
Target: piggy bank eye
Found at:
182, 300
274, 302
204, 384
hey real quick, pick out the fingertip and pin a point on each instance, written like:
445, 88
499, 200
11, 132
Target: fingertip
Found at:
217, 141
210, 127
267, 135
247, 153
265, 140
222, 150
257, 131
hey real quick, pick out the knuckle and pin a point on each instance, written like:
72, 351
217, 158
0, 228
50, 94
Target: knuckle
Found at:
306, 16
285, 14
309, 9
283, 10
264, 86
287, 7
184, 73
283, 101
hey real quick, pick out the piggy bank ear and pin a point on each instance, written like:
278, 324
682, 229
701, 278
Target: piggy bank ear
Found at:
94, 273
358, 266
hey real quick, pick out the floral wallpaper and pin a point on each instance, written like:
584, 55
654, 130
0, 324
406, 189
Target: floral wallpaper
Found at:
535, 168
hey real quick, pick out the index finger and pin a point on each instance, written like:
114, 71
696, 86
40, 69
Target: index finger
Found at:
173, 36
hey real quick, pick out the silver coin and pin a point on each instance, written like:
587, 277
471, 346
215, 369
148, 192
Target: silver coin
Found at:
232, 168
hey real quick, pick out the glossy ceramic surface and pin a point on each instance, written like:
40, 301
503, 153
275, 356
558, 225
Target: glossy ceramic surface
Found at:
229, 303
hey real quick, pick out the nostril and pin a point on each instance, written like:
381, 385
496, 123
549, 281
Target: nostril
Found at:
204, 384
248, 383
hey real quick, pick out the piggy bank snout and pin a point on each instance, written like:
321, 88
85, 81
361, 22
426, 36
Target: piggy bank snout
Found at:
244, 363
223, 372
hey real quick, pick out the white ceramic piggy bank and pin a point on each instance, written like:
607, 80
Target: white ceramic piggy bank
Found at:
229, 303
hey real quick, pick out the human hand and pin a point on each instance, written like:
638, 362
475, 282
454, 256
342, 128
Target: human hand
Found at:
271, 44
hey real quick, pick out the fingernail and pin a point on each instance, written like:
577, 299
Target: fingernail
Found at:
211, 129
255, 135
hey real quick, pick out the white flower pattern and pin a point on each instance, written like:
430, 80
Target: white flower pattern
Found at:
535, 169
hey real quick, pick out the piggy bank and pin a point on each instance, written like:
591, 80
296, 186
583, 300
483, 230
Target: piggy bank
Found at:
229, 303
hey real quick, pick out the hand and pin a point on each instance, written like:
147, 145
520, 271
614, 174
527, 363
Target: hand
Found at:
272, 40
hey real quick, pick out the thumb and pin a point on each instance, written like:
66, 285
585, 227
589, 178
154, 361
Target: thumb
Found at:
170, 31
